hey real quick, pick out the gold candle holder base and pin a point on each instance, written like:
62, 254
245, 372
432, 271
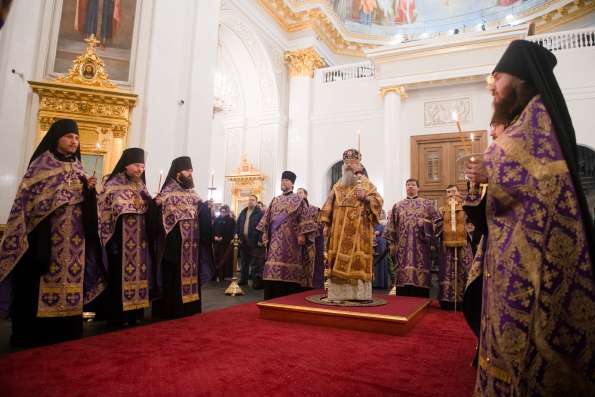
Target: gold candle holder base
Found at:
234, 288
88, 316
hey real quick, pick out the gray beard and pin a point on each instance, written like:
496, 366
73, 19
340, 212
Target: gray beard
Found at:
348, 179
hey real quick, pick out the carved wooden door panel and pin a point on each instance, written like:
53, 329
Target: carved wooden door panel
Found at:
434, 161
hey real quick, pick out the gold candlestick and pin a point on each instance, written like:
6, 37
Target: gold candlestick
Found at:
234, 288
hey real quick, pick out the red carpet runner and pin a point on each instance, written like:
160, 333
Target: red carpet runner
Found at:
232, 352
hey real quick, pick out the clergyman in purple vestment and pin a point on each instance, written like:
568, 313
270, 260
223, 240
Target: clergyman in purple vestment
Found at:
177, 243
537, 329
409, 231
284, 227
46, 253
123, 206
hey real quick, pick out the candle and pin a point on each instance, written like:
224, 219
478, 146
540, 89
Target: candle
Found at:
97, 147
160, 177
359, 141
212, 178
453, 215
455, 117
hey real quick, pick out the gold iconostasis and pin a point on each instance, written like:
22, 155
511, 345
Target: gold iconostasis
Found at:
101, 109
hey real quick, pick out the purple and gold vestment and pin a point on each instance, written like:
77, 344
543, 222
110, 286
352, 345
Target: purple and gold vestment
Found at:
52, 190
410, 227
127, 199
285, 219
537, 333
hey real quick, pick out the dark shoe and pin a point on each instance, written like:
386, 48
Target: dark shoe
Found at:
258, 284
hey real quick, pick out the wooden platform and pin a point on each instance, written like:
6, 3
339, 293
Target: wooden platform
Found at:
397, 317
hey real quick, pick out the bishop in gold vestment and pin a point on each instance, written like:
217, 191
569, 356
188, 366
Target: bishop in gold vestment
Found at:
349, 215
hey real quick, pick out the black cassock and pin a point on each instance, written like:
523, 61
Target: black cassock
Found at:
223, 250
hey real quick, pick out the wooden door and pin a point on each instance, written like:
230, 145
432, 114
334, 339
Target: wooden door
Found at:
434, 161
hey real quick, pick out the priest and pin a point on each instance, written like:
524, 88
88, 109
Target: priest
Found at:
350, 214
284, 227
409, 232
178, 243
537, 327
43, 253
123, 207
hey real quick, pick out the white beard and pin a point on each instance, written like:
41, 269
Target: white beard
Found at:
348, 178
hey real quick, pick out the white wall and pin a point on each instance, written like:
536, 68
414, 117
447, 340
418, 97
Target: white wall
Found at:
19, 43
574, 73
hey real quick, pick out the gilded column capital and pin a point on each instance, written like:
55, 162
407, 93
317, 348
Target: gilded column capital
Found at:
398, 89
303, 62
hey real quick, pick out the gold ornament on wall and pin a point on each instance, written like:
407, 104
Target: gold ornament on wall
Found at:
101, 109
303, 62
88, 68
246, 181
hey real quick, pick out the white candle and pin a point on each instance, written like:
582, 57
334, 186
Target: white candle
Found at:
160, 177
97, 147
453, 215
359, 141
455, 117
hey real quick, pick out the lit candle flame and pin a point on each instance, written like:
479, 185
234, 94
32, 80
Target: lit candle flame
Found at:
455, 115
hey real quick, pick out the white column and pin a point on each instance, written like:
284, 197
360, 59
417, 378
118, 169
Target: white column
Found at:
298, 131
201, 90
20, 42
301, 65
394, 168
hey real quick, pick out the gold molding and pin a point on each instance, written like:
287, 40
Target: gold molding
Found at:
563, 15
101, 110
245, 181
398, 89
315, 18
303, 62
88, 68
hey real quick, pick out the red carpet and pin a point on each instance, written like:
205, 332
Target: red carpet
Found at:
232, 352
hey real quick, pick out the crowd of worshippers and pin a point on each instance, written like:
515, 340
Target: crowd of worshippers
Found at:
516, 248
116, 250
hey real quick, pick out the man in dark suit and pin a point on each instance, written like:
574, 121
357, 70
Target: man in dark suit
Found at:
252, 250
